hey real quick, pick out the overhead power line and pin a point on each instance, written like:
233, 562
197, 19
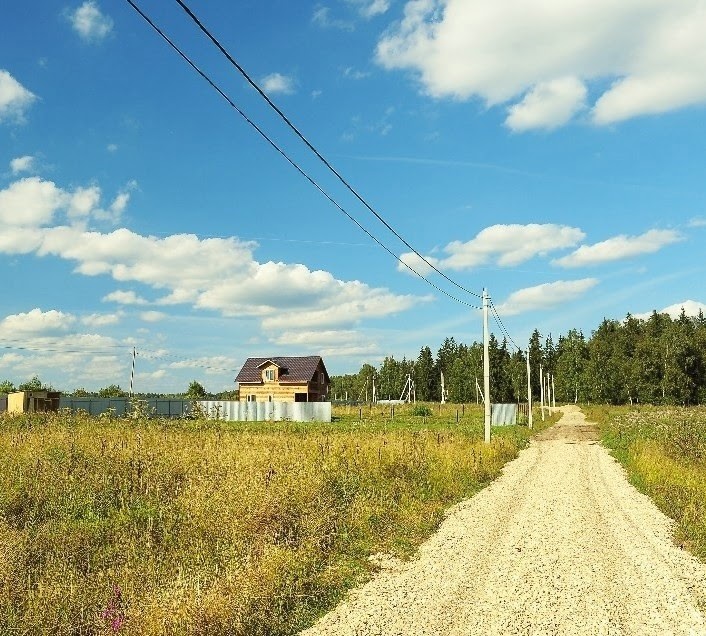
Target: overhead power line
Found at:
311, 146
295, 165
502, 326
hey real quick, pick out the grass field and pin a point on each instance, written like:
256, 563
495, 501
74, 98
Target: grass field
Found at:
207, 528
663, 450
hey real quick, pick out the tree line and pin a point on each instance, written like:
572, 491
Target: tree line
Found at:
195, 391
656, 361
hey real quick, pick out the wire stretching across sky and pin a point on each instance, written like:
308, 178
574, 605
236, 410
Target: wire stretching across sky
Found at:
502, 326
295, 165
311, 146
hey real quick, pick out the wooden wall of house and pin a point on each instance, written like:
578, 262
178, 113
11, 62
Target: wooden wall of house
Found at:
279, 392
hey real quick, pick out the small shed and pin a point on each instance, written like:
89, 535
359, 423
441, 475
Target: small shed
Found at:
33, 401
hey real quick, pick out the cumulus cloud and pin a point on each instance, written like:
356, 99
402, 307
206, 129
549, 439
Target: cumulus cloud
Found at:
15, 99
504, 245
548, 105
327, 342
411, 263
90, 23
152, 316
101, 320
545, 296
30, 202
690, 307
277, 83
642, 56
22, 164
217, 274
619, 248
36, 322
35, 202
124, 298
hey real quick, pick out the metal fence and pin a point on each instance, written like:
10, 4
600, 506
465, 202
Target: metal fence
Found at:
160, 407
503, 414
228, 410
267, 411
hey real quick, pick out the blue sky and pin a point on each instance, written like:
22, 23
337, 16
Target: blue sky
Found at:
550, 152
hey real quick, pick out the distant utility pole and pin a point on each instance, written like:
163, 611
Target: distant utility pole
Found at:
529, 392
486, 366
132, 371
541, 392
553, 392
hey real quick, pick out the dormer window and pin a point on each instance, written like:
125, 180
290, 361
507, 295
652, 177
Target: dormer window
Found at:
270, 375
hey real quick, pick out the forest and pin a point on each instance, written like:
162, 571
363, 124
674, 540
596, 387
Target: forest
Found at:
659, 360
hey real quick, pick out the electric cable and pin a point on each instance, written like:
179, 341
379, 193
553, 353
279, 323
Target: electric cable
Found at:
502, 326
301, 136
295, 165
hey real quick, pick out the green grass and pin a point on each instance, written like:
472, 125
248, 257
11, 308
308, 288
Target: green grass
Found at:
200, 527
663, 450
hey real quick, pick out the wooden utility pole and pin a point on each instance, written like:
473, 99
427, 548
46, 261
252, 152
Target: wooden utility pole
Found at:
486, 366
529, 392
541, 391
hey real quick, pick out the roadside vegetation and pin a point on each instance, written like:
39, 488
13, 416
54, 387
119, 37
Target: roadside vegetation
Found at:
212, 528
663, 450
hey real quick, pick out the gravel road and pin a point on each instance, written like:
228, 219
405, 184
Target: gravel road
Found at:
559, 544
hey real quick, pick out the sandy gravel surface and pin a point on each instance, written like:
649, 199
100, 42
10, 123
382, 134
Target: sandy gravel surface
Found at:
559, 544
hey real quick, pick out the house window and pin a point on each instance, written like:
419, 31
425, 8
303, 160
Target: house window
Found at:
252, 398
270, 375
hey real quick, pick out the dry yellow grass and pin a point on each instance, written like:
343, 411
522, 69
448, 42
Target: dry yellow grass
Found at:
148, 527
664, 451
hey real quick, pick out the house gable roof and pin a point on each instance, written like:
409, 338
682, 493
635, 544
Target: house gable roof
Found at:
291, 369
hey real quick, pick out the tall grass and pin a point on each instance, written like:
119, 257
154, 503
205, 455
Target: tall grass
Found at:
207, 528
664, 452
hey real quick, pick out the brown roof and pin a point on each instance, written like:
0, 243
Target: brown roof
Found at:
291, 369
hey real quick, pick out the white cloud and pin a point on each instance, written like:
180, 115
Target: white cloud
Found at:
214, 274
84, 201
90, 23
619, 247
691, 308
545, 296
22, 164
35, 323
354, 74
371, 8
327, 342
30, 202
697, 222
34, 202
124, 298
420, 265
15, 99
322, 18
112, 148
152, 316
505, 245
211, 364
548, 105
277, 83
653, 51
102, 320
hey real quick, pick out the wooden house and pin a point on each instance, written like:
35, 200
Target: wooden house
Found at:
284, 379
